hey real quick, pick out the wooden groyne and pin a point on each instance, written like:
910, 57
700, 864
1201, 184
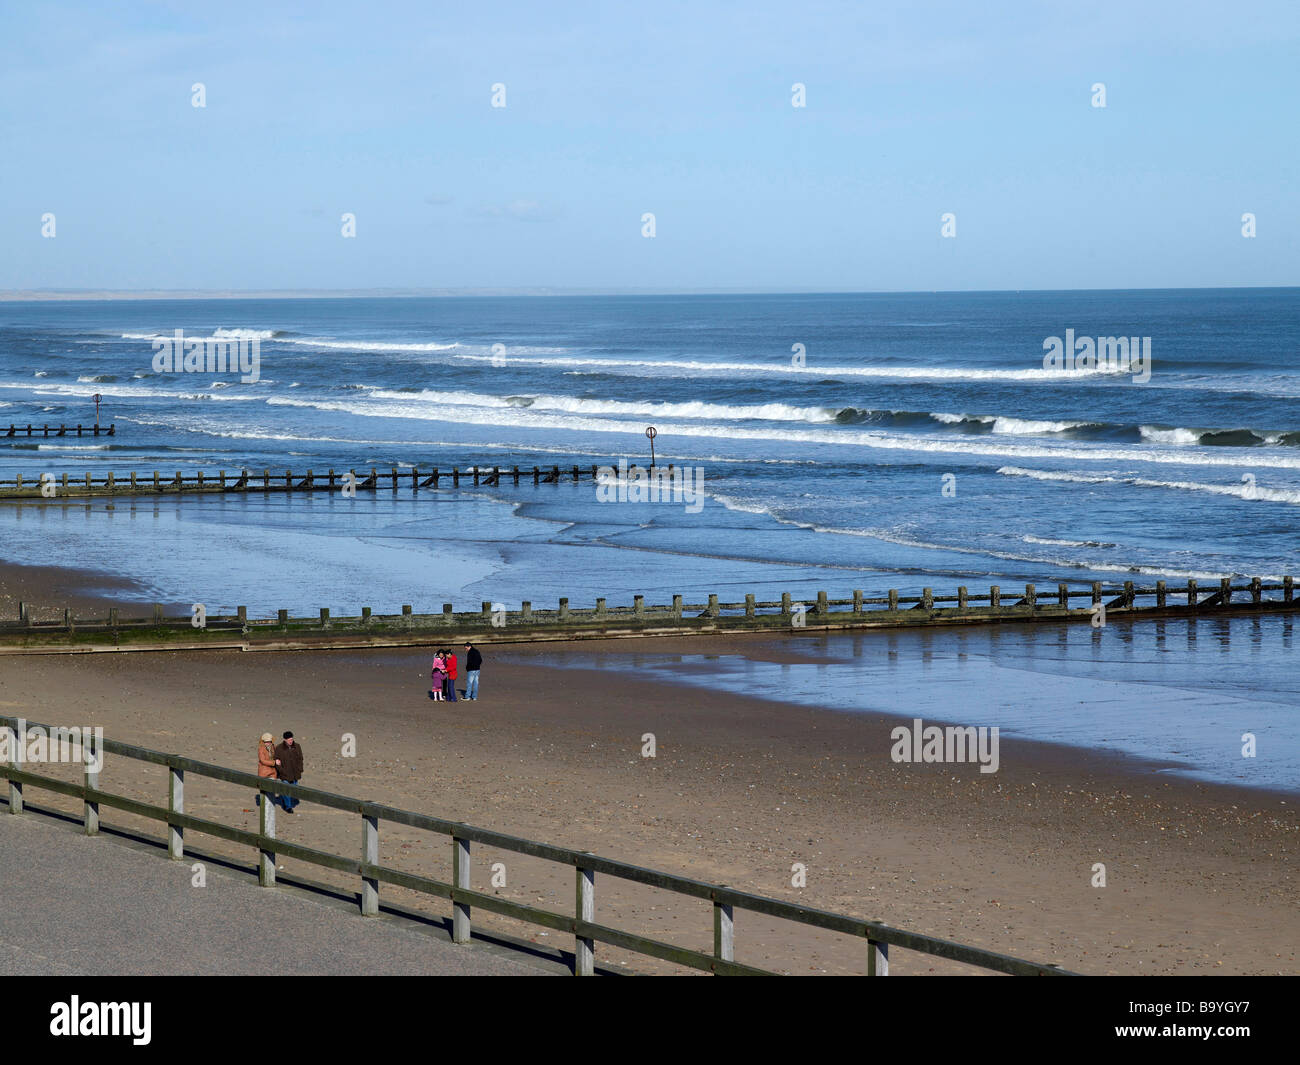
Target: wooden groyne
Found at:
875, 937
250, 482
1096, 604
45, 431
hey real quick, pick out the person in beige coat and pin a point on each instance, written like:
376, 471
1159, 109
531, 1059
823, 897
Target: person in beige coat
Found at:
266, 760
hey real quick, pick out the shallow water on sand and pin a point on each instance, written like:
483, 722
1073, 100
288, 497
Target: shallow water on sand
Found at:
1177, 692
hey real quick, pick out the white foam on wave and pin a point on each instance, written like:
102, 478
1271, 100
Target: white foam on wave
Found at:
1180, 437
524, 418
1025, 426
779, 412
1247, 491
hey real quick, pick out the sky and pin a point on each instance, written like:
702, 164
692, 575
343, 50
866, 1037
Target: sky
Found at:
384, 111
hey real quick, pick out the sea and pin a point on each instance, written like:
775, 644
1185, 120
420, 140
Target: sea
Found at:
840, 441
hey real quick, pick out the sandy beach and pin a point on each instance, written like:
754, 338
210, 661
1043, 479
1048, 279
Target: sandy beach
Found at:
1200, 878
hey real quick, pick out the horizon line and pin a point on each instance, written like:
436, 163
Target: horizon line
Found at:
110, 295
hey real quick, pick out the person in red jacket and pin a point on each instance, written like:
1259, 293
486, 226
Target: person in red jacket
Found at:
450, 660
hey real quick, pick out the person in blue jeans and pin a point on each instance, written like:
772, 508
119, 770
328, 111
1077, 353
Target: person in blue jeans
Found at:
289, 758
473, 663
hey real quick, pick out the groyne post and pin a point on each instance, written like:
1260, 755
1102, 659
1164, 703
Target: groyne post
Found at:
961, 597
1160, 593
677, 607
564, 609
995, 596
857, 602
749, 605
893, 598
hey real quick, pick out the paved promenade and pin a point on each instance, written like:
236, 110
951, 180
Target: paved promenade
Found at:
78, 905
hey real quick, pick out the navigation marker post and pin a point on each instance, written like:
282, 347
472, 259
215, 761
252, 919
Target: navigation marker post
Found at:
652, 432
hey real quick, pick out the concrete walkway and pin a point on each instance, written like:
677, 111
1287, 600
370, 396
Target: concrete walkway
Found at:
77, 905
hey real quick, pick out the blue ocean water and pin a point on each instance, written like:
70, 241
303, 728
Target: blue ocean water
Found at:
826, 471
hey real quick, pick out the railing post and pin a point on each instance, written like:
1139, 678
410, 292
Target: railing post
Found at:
724, 932
460, 879
175, 805
266, 824
15, 788
90, 779
584, 954
877, 958
369, 856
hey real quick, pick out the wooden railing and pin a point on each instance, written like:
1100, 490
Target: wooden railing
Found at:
876, 937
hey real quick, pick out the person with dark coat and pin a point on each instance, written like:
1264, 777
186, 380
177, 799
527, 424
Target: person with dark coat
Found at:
289, 754
473, 663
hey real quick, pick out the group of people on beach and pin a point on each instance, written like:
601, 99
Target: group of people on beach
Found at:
442, 677
280, 761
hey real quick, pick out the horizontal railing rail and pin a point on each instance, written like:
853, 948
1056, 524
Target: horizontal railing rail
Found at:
581, 924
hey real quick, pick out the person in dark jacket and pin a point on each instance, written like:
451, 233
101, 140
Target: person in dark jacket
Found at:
289, 754
473, 663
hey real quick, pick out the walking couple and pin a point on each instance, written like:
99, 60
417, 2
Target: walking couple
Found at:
443, 675
280, 761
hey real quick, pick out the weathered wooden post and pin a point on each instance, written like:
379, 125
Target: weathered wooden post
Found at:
927, 599
282, 618
786, 606
1288, 590
995, 596
485, 610
1191, 594
1225, 590
677, 607
1160, 593
857, 602
242, 614
724, 931
1256, 591
1096, 593
133, 480
15, 787
460, 926
90, 780
175, 805
1063, 596
407, 619
1128, 594
893, 598
536, 475
961, 597
584, 954
638, 607
823, 607
266, 856
156, 486
515, 472
324, 617
749, 604
365, 615
600, 609
446, 613
526, 611
564, 610
1031, 597
369, 856
877, 958
476, 475
712, 609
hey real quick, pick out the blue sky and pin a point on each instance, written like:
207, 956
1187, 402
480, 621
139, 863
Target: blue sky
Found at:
684, 110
